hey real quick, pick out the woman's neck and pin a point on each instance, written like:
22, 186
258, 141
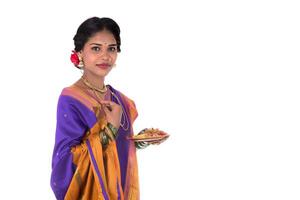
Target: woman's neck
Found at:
96, 81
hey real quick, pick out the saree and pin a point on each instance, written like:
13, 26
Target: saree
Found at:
81, 167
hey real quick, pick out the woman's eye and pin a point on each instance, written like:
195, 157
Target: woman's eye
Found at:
95, 48
112, 49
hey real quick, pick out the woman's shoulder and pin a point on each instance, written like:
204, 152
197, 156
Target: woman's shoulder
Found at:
73, 94
70, 91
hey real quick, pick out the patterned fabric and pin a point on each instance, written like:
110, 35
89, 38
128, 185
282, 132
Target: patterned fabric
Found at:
81, 167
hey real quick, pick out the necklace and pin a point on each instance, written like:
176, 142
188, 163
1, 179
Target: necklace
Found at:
103, 90
124, 116
96, 96
123, 113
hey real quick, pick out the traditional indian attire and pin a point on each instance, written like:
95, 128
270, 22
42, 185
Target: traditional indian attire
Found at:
81, 167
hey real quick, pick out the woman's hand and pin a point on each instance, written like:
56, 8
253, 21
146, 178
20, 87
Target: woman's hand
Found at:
114, 114
158, 142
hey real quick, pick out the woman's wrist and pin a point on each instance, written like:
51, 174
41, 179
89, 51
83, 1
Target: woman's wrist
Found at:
141, 145
110, 132
114, 124
113, 129
104, 138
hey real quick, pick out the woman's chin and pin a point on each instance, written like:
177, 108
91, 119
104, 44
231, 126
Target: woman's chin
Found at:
102, 72
98, 71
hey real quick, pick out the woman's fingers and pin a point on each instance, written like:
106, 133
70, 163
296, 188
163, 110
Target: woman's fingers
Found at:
108, 105
111, 104
158, 142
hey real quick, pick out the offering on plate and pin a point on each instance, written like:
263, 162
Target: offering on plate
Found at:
150, 135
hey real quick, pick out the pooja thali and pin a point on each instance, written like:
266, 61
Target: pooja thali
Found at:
150, 135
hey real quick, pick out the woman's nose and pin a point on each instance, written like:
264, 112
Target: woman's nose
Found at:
105, 55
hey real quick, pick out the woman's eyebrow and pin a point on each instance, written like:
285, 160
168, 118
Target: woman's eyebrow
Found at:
101, 44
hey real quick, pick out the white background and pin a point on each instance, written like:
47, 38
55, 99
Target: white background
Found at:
222, 77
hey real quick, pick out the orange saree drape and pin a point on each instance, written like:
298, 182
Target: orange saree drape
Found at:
81, 167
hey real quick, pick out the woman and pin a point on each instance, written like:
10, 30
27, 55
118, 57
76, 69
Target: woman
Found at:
93, 158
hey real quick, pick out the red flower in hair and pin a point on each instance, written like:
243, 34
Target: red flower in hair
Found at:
74, 58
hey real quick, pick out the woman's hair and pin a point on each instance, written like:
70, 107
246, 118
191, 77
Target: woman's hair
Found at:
93, 25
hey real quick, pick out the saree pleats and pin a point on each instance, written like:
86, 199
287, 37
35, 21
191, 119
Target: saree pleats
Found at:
97, 173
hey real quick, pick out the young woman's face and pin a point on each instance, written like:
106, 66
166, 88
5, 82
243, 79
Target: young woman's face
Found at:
98, 51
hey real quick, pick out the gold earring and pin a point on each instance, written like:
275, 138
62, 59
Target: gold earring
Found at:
80, 65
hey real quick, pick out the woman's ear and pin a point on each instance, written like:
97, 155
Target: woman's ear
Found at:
79, 53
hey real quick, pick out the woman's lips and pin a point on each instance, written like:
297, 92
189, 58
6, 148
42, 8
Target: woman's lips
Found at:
103, 66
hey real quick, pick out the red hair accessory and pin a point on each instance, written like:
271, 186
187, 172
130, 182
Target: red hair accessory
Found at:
74, 58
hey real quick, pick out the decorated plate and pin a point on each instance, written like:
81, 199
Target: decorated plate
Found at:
150, 135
